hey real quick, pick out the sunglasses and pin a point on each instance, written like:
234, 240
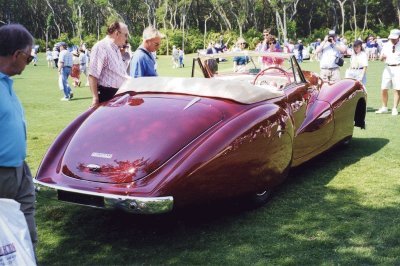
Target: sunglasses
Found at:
29, 57
156, 43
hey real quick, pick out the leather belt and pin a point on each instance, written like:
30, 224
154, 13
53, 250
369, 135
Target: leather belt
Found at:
393, 65
357, 67
106, 88
333, 68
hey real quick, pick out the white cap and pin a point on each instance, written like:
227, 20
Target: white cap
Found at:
394, 34
332, 33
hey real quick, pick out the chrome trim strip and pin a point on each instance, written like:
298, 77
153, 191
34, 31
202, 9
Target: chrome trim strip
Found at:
139, 205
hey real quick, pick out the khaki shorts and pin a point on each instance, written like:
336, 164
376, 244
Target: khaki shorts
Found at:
391, 78
330, 75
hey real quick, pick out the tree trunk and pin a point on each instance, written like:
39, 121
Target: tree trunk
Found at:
341, 4
54, 18
365, 16
355, 19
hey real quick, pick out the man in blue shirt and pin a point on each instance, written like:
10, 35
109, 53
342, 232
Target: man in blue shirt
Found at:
15, 176
143, 62
64, 70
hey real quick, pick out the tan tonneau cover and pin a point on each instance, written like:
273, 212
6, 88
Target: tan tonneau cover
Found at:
239, 91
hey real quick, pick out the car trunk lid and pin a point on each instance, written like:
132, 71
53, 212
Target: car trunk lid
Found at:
129, 138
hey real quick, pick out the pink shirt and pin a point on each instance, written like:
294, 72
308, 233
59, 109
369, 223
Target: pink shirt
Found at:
106, 64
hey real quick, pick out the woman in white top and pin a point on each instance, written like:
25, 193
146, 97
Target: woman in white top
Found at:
358, 63
49, 58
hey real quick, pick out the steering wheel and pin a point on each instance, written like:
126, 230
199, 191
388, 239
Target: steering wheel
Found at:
262, 72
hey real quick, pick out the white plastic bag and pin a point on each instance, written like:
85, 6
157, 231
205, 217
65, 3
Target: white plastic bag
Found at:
15, 241
60, 83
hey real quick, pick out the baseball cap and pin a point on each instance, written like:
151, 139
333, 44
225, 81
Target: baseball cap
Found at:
332, 33
394, 34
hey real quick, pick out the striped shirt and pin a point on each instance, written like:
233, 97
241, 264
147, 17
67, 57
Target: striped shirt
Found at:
106, 64
66, 58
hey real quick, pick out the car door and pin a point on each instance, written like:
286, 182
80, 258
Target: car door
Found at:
313, 119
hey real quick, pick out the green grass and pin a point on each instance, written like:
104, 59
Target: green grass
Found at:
342, 208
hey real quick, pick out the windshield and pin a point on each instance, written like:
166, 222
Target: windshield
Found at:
273, 69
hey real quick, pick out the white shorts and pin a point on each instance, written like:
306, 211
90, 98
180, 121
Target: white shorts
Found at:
391, 78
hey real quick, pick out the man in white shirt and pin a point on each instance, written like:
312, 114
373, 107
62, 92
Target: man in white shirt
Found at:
330, 49
391, 74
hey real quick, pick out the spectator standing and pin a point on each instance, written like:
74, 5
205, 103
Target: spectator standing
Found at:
64, 70
358, 63
143, 62
75, 71
300, 50
330, 49
391, 73
34, 54
240, 62
107, 70
55, 55
175, 57
49, 58
15, 176
83, 64
181, 55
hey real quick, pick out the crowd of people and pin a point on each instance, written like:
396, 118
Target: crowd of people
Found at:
112, 63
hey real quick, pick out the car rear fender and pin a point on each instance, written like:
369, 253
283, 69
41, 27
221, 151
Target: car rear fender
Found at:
348, 100
52, 158
244, 154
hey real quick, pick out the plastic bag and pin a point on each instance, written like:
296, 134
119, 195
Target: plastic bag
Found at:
15, 241
60, 83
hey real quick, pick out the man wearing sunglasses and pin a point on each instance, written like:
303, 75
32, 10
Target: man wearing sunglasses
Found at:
15, 176
391, 74
107, 69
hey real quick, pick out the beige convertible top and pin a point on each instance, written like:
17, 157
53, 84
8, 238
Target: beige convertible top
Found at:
239, 91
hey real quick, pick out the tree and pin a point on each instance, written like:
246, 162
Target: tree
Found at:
341, 4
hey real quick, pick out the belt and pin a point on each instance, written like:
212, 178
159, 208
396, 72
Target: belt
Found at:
332, 68
357, 68
106, 88
67, 66
393, 65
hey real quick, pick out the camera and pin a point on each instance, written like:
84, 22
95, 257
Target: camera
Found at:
330, 39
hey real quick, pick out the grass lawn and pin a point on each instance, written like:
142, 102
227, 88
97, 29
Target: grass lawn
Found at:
342, 208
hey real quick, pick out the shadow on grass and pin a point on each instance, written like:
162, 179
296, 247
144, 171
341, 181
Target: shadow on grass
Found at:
307, 222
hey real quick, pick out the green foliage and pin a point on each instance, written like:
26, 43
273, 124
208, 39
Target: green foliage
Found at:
75, 41
90, 40
42, 45
193, 41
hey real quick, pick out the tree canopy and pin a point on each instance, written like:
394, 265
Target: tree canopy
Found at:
79, 20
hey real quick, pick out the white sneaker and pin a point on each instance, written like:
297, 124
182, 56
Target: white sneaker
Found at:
64, 99
394, 111
382, 110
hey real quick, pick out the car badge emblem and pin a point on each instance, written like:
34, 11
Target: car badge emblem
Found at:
102, 155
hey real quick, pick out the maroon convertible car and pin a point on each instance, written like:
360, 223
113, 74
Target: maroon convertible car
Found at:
164, 142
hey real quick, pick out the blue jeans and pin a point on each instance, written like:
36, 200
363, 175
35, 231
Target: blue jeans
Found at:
65, 73
300, 56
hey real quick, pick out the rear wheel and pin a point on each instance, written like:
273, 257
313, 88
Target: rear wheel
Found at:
262, 197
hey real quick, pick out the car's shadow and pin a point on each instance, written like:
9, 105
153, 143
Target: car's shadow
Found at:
84, 230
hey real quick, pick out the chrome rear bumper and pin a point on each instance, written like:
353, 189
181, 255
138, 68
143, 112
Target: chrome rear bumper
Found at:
139, 205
